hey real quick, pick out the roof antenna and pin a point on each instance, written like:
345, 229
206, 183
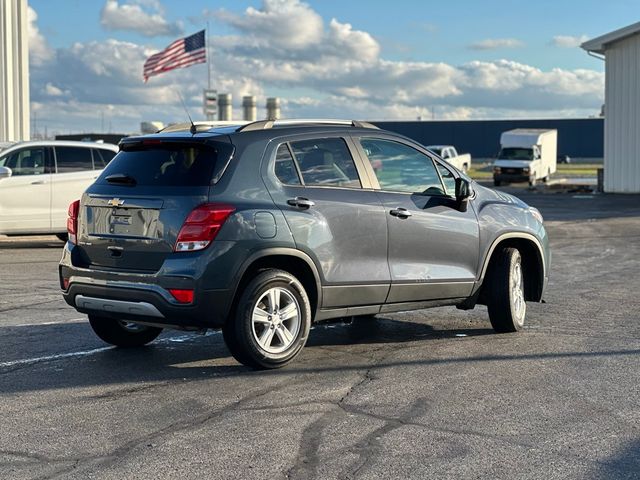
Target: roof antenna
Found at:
193, 128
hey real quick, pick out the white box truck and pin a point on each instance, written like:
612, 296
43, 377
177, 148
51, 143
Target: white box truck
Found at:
526, 155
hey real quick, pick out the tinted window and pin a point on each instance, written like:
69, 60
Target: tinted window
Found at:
73, 159
101, 158
326, 162
401, 168
285, 166
25, 162
168, 165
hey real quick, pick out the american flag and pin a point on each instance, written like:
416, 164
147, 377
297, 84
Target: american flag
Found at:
181, 53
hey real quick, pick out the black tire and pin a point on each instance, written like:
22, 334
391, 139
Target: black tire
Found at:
62, 236
242, 332
505, 291
497, 183
121, 333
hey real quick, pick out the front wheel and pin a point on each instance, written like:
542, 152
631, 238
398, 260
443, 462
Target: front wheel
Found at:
122, 333
271, 323
505, 286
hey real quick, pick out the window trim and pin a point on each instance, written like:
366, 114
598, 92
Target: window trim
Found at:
295, 165
372, 173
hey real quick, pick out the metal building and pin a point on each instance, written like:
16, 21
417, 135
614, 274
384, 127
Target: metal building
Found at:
621, 51
14, 71
580, 138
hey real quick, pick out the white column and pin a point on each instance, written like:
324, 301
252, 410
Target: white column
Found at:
14, 71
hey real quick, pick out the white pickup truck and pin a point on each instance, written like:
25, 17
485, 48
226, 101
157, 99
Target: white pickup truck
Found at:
450, 154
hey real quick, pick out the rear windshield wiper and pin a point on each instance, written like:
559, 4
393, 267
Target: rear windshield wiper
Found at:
122, 178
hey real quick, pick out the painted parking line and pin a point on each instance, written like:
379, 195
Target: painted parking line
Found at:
93, 351
84, 353
62, 322
58, 356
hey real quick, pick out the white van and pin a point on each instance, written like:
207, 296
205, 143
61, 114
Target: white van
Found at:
526, 155
38, 181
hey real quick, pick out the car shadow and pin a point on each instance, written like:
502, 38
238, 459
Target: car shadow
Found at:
625, 464
179, 356
41, 357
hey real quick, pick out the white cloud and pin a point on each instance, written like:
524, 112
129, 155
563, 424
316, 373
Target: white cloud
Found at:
568, 41
496, 43
287, 24
53, 91
39, 49
325, 69
145, 17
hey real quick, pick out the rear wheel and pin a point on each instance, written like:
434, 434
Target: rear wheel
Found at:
271, 323
122, 333
62, 236
505, 291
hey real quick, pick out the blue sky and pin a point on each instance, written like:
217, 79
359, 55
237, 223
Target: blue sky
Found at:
479, 59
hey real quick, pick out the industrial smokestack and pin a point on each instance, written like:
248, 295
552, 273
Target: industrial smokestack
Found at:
273, 108
249, 108
225, 109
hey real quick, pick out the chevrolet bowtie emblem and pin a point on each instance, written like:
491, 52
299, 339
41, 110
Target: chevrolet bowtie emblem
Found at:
115, 202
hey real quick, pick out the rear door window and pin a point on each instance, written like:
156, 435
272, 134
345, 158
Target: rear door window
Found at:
102, 157
326, 162
169, 164
73, 159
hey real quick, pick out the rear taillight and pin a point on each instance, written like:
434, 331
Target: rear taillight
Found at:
201, 226
72, 221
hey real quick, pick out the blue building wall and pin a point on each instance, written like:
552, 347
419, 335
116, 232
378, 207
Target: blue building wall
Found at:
481, 138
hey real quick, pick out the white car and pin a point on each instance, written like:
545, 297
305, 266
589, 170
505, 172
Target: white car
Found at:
38, 181
462, 161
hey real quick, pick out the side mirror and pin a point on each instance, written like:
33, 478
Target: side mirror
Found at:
463, 192
5, 172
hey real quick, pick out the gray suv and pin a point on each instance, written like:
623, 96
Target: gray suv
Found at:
264, 228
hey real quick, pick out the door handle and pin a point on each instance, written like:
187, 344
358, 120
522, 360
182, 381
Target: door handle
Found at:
39, 182
400, 212
300, 202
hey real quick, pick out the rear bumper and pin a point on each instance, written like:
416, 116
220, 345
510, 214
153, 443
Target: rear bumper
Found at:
146, 303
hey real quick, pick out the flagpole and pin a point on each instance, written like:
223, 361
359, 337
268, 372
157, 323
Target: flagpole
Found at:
208, 56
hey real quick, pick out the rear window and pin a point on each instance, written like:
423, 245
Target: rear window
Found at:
170, 164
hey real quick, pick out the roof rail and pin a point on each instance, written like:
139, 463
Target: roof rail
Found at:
267, 124
200, 126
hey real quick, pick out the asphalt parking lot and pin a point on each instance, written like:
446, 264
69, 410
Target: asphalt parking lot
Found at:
429, 394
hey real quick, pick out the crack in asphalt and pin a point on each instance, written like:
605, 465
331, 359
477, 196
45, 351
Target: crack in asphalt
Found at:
307, 459
85, 462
